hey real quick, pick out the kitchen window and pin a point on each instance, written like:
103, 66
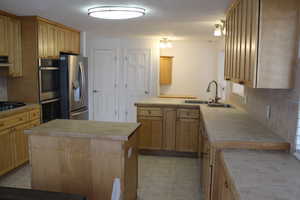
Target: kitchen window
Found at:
297, 145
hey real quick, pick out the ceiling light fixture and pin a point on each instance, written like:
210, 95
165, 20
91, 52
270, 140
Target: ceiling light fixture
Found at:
220, 29
165, 43
116, 12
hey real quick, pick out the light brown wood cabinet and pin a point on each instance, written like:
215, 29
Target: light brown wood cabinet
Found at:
223, 186
168, 129
166, 63
53, 39
4, 35
187, 134
150, 132
206, 166
13, 142
10, 40
261, 43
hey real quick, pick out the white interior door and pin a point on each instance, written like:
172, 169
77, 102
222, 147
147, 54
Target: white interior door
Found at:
136, 80
105, 99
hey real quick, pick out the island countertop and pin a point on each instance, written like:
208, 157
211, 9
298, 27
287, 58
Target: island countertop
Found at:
85, 129
266, 175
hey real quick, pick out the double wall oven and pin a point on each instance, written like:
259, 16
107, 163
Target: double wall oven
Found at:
49, 88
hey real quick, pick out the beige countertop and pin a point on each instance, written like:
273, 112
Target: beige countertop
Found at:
173, 102
14, 111
265, 175
85, 129
226, 126
235, 125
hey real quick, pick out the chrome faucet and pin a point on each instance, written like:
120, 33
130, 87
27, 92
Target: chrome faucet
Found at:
216, 100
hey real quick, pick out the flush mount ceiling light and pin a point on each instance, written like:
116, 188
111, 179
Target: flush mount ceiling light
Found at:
116, 12
165, 43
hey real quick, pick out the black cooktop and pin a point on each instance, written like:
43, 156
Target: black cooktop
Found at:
6, 105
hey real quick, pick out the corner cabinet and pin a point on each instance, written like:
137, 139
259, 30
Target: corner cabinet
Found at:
261, 43
10, 40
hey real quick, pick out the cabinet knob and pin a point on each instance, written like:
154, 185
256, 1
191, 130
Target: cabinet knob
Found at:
95, 91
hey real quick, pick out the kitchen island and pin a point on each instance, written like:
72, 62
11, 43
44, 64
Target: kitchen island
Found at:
84, 157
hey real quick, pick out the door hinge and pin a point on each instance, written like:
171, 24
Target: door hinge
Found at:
116, 112
116, 58
126, 112
115, 85
126, 58
126, 85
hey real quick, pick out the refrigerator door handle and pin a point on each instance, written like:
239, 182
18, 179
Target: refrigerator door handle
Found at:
82, 81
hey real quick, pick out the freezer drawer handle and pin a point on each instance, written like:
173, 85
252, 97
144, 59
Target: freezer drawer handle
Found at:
79, 113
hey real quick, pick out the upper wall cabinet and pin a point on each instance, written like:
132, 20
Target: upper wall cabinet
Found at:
10, 42
261, 43
53, 39
166, 63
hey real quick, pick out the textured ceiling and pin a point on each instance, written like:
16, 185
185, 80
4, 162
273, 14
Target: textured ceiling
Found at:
175, 18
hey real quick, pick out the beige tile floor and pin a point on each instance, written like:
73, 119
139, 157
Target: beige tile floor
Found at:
160, 178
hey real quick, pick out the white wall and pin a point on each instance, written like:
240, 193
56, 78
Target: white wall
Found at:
98, 42
194, 66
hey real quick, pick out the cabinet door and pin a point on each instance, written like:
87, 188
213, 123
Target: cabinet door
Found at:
15, 49
150, 133
131, 168
43, 39
206, 169
7, 160
166, 70
169, 136
4, 36
21, 142
187, 133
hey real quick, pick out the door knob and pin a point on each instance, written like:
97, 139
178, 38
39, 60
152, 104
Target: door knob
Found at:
146, 92
95, 91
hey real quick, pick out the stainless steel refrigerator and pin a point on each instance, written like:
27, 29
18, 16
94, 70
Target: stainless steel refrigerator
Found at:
74, 87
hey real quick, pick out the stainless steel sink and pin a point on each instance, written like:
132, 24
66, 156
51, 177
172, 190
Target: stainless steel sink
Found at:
219, 105
194, 101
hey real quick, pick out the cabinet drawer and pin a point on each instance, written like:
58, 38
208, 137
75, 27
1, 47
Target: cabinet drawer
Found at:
35, 114
14, 120
188, 113
152, 112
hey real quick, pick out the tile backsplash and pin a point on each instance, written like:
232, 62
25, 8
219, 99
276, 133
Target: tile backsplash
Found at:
3, 89
282, 116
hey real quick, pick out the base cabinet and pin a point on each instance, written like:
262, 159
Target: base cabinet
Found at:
6, 153
150, 133
206, 168
187, 133
223, 189
169, 129
13, 141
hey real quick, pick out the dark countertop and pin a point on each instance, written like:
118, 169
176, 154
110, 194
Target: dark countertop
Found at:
26, 194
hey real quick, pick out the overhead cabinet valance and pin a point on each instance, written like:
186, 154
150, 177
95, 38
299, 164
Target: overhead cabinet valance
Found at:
261, 43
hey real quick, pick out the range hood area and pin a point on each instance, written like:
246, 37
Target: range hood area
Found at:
4, 62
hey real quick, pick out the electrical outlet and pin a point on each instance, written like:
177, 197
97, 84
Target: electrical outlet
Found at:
268, 114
